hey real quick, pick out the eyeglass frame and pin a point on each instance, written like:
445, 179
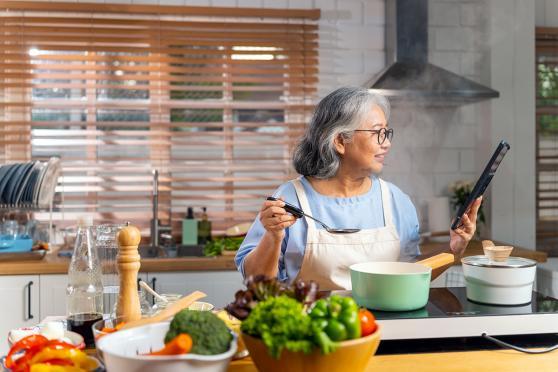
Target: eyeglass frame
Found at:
388, 133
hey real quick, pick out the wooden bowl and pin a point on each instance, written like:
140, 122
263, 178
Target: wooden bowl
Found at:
498, 253
351, 355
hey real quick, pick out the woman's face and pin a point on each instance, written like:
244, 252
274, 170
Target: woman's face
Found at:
363, 154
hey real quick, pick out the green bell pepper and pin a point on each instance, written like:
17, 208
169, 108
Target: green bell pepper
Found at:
320, 336
336, 330
341, 314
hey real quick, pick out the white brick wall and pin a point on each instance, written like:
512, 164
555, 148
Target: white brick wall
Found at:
546, 13
432, 147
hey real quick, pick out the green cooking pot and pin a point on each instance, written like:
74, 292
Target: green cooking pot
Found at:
390, 286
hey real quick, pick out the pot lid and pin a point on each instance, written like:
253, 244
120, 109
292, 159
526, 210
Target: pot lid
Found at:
511, 262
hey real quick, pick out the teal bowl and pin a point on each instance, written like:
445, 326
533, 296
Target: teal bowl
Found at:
390, 286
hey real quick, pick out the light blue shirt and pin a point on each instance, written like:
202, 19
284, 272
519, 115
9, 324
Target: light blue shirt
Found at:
363, 212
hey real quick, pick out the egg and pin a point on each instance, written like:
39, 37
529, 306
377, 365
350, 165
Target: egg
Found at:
53, 330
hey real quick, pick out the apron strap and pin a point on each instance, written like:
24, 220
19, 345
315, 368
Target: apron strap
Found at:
386, 203
304, 205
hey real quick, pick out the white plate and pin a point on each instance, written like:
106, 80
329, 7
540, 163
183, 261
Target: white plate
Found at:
49, 181
76, 338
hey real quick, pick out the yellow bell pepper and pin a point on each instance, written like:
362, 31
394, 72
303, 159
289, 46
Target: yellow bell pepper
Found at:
75, 357
44, 367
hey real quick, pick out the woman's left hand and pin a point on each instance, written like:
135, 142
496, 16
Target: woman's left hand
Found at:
460, 237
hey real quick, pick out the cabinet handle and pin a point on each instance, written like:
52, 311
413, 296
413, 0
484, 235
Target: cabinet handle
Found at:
153, 283
29, 315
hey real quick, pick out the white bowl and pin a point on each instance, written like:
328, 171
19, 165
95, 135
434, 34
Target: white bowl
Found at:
120, 352
74, 337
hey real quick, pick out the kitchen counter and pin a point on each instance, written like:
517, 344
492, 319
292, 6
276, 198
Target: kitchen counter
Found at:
430, 248
52, 264
492, 360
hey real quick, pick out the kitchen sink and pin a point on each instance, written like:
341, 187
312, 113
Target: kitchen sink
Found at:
149, 251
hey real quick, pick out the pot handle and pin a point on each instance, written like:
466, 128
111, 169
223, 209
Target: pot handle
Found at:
438, 260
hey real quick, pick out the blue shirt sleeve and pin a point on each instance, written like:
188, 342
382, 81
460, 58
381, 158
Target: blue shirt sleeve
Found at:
257, 231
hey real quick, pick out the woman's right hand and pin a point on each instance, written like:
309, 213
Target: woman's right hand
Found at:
275, 219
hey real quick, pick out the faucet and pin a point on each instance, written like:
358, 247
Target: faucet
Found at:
156, 229
155, 205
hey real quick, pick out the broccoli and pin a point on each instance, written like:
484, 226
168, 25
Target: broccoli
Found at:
209, 334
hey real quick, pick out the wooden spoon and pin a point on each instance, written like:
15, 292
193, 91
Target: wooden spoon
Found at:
168, 312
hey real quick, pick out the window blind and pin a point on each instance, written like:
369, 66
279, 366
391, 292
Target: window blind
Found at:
213, 98
547, 139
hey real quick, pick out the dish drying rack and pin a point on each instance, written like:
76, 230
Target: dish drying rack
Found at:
29, 187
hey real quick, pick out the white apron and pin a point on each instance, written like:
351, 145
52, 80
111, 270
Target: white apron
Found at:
327, 256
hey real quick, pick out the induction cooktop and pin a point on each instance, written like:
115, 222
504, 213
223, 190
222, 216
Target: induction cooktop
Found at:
449, 313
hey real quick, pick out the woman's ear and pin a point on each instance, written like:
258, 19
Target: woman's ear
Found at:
339, 142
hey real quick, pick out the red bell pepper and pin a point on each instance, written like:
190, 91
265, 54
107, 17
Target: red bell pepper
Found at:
25, 344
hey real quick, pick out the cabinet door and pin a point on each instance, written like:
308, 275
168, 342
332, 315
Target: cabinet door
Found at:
20, 304
220, 286
53, 295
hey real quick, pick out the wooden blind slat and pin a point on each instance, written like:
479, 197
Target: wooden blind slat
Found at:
215, 104
313, 14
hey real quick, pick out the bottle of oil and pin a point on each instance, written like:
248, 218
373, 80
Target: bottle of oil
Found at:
204, 228
85, 288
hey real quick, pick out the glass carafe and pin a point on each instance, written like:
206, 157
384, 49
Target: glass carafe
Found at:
107, 246
85, 288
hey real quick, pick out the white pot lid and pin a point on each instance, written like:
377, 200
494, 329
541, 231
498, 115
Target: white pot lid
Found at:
511, 262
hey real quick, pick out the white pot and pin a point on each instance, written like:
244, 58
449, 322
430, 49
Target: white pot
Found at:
499, 283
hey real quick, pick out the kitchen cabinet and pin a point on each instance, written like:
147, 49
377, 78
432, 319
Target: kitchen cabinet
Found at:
53, 295
20, 304
220, 286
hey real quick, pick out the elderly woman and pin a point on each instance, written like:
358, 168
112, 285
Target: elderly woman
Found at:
339, 159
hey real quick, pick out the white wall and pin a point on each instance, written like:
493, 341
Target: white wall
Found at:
546, 13
489, 41
512, 67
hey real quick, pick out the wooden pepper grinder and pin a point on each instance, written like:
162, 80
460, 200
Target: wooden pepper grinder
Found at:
128, 262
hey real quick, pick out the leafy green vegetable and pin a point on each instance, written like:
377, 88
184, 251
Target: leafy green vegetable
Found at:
260, 288
281, 323
209, 334
216, 246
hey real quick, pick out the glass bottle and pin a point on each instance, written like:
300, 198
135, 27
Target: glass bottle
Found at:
204, 228
107, 249
85, 288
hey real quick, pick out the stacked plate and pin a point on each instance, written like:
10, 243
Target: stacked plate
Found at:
28, 185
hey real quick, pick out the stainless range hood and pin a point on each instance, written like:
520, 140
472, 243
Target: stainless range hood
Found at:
409, 77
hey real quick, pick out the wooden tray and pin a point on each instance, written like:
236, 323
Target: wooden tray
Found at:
23, 256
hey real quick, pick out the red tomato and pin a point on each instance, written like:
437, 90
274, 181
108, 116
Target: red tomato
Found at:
367, 322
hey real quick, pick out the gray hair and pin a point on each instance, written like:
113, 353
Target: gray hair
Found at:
339, 113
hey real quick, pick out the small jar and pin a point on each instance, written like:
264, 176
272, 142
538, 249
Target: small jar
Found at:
170, 299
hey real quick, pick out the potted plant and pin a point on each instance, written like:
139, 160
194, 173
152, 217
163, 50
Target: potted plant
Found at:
459, 192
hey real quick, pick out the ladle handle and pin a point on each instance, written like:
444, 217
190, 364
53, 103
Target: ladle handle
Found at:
297, 212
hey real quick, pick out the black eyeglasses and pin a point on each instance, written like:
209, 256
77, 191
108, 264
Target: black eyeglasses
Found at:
382, 133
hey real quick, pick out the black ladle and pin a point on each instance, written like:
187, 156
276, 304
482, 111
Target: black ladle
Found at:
298, 213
